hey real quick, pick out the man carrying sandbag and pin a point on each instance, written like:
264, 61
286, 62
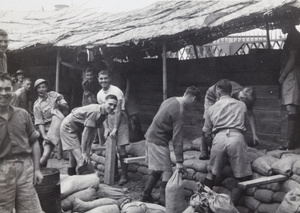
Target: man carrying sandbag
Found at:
226, 119
167, 125
43, 112
83, 120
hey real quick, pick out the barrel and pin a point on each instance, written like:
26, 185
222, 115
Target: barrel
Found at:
49, 190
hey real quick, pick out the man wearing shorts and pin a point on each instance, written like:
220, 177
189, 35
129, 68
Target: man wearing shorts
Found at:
226, 119
246, 94
19, 155
167, 126
83, 120
42, 110
117, 123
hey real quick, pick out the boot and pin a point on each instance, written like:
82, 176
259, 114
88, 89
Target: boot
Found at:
124, 174
291, 133
71, 171
153, 179
204, 149
162, 195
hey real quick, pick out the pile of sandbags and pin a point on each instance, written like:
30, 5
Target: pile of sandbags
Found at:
84, 193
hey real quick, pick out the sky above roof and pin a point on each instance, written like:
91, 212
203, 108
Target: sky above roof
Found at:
101, 5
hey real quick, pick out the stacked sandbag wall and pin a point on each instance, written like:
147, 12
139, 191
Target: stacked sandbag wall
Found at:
264, 198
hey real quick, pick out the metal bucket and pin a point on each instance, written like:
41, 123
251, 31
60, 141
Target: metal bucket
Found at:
49, 191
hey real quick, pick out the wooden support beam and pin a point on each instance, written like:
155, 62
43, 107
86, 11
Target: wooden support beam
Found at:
134, 159
262, 181
110, 158
59, 145
268, 36
164, 57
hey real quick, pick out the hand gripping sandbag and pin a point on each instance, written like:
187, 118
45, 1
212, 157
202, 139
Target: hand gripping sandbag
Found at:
175, 194
54, 133
221, 203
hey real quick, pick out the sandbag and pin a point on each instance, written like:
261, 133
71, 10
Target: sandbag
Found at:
221, 190
221, 203
136, 149
251, 203
196, 144
175, 194
97, 158
253, 153
189, 174
54, 130
105, 191
189, 209
230, 183
264, 195
291, 202
284, 166
84, 195
296, 178
82, 206
140, 207
278, 153
76, 183
250, 191
262, 165
189, 184
196, 164
278, 197
105, 209
267, 208
200, 176
289, 185
296, 167
191, 155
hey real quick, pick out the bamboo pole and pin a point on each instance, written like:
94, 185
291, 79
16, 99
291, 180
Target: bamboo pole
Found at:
164, 57
59, 146
268, 36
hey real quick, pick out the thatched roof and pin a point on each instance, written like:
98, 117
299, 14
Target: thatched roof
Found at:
178, 22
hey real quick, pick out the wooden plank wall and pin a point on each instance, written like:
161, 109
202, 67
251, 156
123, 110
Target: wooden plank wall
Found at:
259, 70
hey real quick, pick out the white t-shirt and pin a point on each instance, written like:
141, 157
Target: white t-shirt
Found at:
113, 90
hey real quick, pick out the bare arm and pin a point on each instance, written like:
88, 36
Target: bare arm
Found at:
118, 118
289, 66
88, 136
250, 116
36, 155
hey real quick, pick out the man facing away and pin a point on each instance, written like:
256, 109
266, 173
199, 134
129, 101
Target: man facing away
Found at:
117, 123
19, 155
167, 126
83, 121
226, 119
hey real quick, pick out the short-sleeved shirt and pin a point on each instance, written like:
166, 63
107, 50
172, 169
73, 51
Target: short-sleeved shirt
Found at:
17, 86
211, 95
112, 90
226, 113
17, 133
91, 115
90, 90
3, 63
42, 108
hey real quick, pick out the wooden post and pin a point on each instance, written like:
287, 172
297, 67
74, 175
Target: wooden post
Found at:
59, 146
110, 158
268, 36
164, 57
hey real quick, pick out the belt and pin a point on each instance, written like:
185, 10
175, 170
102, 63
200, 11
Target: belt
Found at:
228, 130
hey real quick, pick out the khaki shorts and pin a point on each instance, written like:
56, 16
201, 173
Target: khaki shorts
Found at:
70, 134
158, 157
229, 145
16, 186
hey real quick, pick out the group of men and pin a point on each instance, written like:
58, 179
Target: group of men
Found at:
227, 106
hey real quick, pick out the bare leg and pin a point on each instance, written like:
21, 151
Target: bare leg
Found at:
48, 148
